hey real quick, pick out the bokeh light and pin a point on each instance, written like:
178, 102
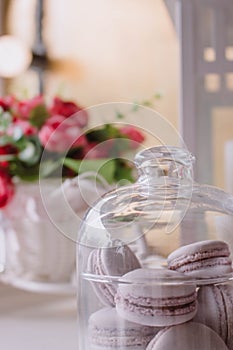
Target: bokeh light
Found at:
15, 57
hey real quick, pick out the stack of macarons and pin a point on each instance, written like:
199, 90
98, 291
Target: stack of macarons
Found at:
165, 308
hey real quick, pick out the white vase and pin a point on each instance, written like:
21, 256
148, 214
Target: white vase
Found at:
38, 248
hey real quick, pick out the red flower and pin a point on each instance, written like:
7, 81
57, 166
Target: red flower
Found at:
67, 109
6, 188
7, 102
6, 150
24, 108
133, 134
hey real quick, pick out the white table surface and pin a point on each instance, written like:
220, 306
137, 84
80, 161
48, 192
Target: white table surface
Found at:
31, 321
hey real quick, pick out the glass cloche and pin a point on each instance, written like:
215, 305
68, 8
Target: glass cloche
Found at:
154, 261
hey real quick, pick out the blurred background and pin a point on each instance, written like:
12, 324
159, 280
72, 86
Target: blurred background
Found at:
178, 52
96, 52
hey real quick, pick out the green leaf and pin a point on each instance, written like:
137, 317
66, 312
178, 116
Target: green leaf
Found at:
7, 157
123, 171
48, 167
147, 103
5, 139
135, 107
5, 120
107, 170
22, 142
30, 150
112, 131
104, 167
23, 171
99, 135
120, 115
38, 116
103, 134
72, 164
158, 95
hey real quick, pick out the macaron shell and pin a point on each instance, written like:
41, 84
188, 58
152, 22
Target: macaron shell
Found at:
113, 261
105, 292
120, 347
107, 318
199, 250
205, 259
187, 336
209, 268
215, 309
102, 347
211, 310
117, 261
227, 293
153, 297
155, 283
145, 316
108, 331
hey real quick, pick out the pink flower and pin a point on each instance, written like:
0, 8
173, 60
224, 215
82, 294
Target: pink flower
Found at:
96, 150
6, 188
24, 108
80, 142
67, 109
133, 134
26, 128
60, 134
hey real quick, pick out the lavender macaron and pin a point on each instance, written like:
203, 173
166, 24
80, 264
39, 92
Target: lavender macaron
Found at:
187, 336
215, 309
155, 297
112, 262
106, 330
206, 259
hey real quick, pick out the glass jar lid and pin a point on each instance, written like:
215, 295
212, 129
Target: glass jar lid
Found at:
163, 200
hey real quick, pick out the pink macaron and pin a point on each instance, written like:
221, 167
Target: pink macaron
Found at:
111, 262
187, 336
206, 259
215, 309
156, 297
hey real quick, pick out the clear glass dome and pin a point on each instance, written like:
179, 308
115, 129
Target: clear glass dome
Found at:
153, 218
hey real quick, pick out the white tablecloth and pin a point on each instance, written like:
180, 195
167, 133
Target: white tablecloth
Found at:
31, 321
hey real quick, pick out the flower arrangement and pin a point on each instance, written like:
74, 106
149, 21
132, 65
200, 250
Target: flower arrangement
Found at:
37, 138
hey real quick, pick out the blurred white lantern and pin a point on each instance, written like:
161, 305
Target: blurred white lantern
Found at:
15, 57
